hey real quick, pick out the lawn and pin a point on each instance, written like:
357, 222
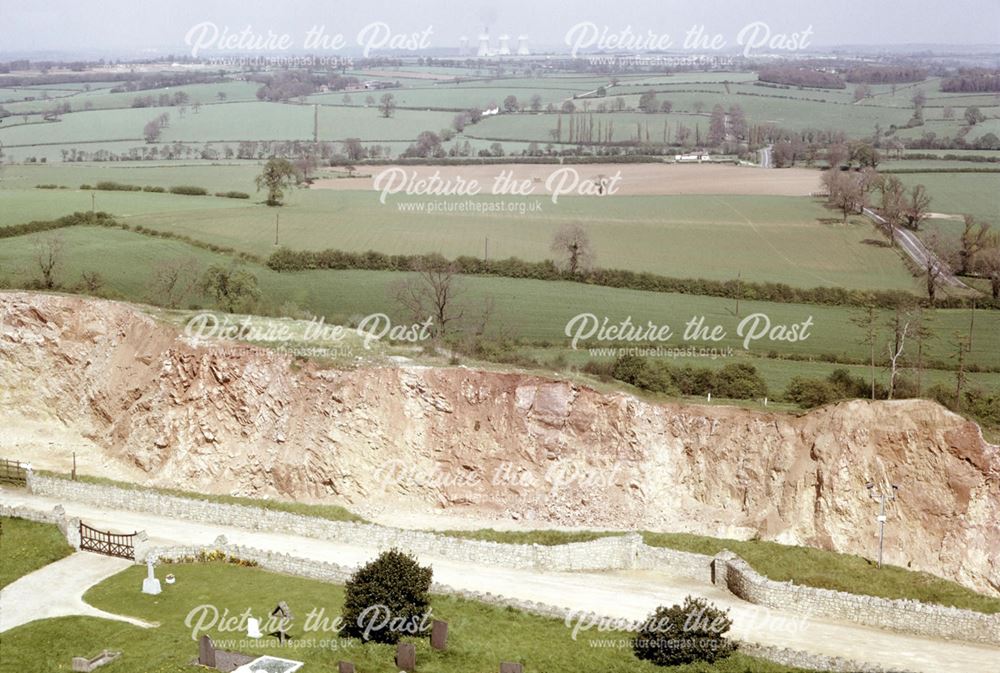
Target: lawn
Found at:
26, 546
479, 637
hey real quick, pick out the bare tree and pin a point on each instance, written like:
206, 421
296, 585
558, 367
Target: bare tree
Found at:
91, 282
433, 291
917, 208
173, 281
387, 105
900, 329
893, 202
572, 245
975, 237
49, 255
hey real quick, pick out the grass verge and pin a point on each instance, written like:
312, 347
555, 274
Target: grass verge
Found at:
26, 546
782, 563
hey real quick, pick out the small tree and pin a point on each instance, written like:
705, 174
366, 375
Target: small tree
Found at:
233, 289
387, 105
151, 131
173, 280
973, 115
277, 175
49, 255
572, 245
394, 585
434, 291
683, 634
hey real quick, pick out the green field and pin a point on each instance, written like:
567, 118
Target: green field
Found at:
479, 635
976, 194
532, 310
794, 240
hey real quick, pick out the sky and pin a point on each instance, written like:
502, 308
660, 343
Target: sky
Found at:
162, 26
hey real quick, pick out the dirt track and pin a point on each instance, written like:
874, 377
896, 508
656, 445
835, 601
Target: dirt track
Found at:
636, 179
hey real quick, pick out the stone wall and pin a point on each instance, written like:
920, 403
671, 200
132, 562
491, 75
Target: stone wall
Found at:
736, 575
69, 527
606, 553
611, 553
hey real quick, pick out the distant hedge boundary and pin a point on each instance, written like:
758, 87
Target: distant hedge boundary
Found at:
100, 218
285, 260
184, 190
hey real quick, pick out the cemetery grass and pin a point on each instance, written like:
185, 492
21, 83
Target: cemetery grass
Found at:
782, 563
26, 546
479, 635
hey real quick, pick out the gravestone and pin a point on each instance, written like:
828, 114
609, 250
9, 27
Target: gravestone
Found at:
345, 667
439, 635
511, 667
206, 652
150, 585
406, 657
253, 628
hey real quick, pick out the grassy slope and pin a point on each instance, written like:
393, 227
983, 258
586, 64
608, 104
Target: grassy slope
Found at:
802, 565
26, 546
479, 635
331, 512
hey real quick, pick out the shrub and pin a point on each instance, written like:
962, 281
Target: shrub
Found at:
151, 188
683, 634
739, 381
394, 584
233, 195
110, 186
808, 393
189, 190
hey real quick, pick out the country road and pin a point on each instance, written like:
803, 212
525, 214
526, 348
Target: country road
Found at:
623, 594
918, 252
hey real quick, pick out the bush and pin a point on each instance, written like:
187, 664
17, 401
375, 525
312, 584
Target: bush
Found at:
109, 186
684, 634
151, 188
189, 190
739, 381
808, 393
233, 195
392, 585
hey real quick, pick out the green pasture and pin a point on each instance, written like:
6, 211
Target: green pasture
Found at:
532, 310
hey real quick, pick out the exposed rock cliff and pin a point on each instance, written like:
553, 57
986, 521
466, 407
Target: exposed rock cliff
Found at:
235, 419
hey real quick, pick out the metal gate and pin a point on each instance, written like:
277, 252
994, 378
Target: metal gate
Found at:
109, 544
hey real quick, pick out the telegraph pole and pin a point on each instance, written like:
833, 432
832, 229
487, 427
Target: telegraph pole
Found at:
881, 497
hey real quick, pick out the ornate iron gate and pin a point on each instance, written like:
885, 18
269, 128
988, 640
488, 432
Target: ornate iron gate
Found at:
109, 544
